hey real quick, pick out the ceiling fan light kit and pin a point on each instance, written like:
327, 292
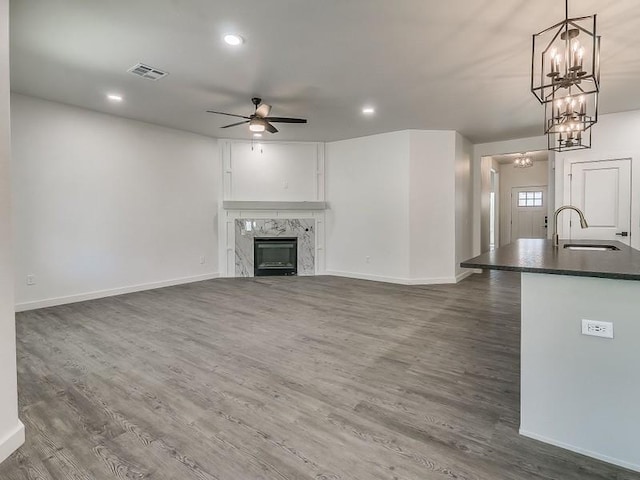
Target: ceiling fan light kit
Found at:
260, 120
256, 125
565, 78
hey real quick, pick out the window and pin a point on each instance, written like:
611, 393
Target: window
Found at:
530, 199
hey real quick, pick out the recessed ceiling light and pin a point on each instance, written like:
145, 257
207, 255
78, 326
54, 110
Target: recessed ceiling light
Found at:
257, 135
114, 97
368, 110
233, 39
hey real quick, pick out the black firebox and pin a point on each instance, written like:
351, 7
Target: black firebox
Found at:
275, 256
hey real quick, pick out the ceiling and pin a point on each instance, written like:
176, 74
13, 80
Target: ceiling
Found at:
423, 64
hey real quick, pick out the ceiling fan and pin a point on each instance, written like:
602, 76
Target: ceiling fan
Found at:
260, 120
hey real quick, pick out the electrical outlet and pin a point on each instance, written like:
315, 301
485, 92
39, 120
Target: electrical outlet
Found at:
31, 279
367, 259
203, 260
597, 329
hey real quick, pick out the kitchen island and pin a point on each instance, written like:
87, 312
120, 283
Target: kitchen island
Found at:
578, 391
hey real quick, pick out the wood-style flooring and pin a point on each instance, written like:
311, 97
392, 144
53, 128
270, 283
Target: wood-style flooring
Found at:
318, 378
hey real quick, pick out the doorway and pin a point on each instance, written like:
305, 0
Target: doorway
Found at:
524, 197
498, 175
529, 212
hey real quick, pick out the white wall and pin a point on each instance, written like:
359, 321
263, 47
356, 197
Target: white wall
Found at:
511, 177
400, 206
11, 430
367, 187
495, 166
615, 136
104, 205
463, 203
272, 171
431, 202
485, 201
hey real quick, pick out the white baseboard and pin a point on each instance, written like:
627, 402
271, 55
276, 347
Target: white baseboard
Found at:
465, 274
396, 280
366, 276
432, 281
582, 451
11, 441
81, 297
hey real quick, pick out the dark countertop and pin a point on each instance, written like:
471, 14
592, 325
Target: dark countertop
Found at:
539, 256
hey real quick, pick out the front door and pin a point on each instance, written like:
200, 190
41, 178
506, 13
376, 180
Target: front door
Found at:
602, 190
528, 212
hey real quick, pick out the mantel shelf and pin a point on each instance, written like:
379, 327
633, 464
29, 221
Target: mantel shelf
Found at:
260, 205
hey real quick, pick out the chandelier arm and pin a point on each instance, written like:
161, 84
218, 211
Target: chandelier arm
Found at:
580, 27
555, 37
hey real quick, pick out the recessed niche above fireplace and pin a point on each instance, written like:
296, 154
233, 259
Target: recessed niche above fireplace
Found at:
275, 256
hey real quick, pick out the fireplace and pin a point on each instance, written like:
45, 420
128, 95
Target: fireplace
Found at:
275, 256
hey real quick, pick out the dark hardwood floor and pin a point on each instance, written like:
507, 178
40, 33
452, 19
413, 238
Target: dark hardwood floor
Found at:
283, 378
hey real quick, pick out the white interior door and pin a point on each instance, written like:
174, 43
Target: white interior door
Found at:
528, 212
602, 190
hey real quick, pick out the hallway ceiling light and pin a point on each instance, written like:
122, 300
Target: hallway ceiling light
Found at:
114, 97
523, 161
565, 78
368, 110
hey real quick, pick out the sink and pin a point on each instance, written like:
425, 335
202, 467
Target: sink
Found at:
591, 248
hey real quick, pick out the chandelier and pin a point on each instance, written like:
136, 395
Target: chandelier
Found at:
523, 162
565, 78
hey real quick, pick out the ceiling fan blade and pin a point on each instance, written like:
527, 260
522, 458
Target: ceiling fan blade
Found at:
263, 110
235, 124
286, 120
228, 114
270, 128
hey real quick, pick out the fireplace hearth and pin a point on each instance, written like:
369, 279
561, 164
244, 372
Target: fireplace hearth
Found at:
275, 256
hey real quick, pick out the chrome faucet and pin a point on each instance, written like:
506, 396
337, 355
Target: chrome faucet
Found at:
583, 221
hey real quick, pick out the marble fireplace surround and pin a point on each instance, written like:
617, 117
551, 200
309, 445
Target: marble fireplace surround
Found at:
246, 229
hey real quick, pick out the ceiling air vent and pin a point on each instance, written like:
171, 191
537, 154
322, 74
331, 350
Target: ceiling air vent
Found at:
145, 71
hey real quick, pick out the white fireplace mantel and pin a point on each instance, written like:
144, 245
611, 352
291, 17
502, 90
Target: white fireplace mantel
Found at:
274, 206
